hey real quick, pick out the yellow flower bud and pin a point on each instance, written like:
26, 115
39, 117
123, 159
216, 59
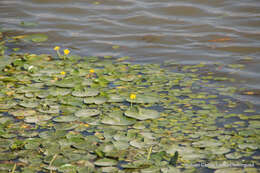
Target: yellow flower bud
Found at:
66, 51
62, 72
91, 71
56, 48
132, 96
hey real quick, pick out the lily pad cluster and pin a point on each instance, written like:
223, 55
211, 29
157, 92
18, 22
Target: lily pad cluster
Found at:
75, 121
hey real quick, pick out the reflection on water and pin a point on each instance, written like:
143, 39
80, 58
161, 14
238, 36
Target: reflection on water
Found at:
189, 31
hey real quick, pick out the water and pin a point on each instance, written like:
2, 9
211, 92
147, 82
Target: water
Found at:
188, 31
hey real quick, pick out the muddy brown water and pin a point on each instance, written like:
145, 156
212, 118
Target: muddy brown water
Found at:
188, 32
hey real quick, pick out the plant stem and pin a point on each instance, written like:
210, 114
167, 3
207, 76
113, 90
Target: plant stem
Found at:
13, 170
149, 153
59, 55
52, 160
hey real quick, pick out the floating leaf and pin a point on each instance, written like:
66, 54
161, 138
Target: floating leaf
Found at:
117, 118
37, 119
36, 38
95, 100
115, 98
87, 112
87, 93
115, 47
28, 24
23, 113
28, 104
142, 114
207, 143
65, 119
234, 155
105, 162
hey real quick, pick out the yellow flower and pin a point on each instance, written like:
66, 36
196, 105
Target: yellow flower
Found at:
62, 72
132, 96
66, 51
91, 71
56, 48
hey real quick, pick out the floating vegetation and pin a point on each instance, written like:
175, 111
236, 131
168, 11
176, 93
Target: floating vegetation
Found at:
73, 114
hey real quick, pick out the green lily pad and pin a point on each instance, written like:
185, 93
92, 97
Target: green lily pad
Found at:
139, 125
235, 65
37, 119
35, 38
105, 162
86, 82
66, 83
109, 169
137, 144
152, 169
7, 105
38, 38
65, 119
115, 98
87, 113
128, 78
234, 155
6, 167
50, 109
142, 114
250, 146
28, 104
121, 145
67, 168
187, 152
8, 135
86, 93
254, 124
28, 24
4, 120
117, 118
59, 91
219, 150
72, 101
65, 126
170, 169
95, 100
207, 143
7, 156
23, 113
136, 164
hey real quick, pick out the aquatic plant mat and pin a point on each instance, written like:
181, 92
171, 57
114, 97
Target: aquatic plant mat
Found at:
89, 114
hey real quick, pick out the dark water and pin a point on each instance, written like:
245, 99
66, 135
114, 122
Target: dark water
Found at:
189, 32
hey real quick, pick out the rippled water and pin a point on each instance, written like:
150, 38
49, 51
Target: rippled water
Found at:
188, 31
